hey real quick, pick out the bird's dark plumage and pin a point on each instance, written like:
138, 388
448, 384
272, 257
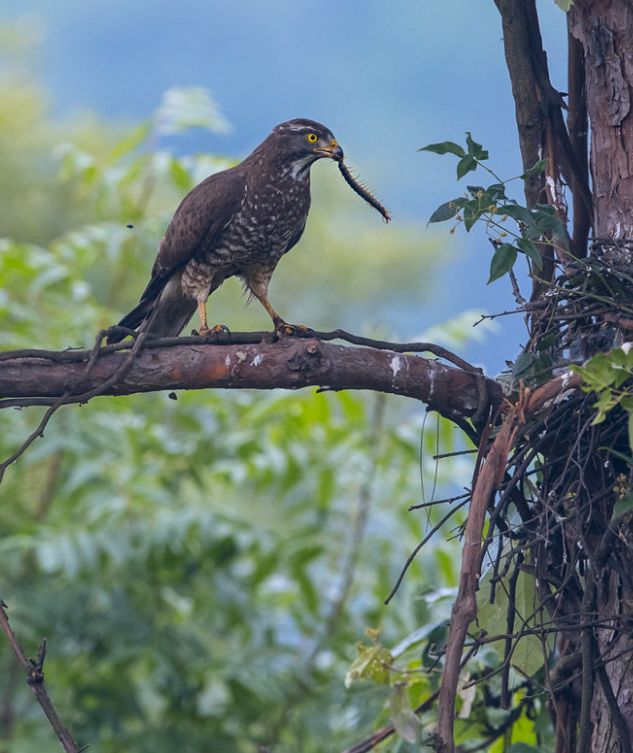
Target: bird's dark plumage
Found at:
240, 222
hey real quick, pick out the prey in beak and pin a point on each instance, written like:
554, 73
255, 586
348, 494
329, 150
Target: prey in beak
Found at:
331, 150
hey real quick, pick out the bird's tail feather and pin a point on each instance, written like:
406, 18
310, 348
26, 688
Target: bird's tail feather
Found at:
169, 316
163, 315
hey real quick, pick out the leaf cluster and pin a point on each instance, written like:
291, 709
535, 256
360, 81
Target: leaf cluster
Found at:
512, 228
610, 377
201, 568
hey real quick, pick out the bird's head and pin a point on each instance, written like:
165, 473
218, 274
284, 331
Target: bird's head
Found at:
304, 141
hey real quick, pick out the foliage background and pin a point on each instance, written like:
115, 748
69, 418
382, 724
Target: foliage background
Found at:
387, 81
202, 569
189, 561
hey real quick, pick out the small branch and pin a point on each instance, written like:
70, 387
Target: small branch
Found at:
619, 721
419, 546
67, 396
434, 502
73, 355
586, 651
35, 678
510, 617
39, 432
578, 126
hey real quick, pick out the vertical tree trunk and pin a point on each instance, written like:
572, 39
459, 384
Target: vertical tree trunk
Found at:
604, 28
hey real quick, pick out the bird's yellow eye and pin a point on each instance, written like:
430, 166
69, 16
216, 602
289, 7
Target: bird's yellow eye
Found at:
312, 138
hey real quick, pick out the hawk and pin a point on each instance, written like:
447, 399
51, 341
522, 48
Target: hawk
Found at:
238, 222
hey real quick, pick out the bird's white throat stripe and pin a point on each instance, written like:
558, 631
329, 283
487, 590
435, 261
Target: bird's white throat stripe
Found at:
298, 167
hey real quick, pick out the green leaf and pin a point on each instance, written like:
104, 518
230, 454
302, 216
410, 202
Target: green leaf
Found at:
494, 193
622, 506
564, 5
546, 342
546, 220
630, 425
466, 165
531, 251
475, 149
522, 365
130, 142
404, 720
528, 656
502, 261
517, 212
447, 210
523, 748
444, 147
472, 212
536, 169
180, 175
620, 455
533, 369
308, 591
372, 663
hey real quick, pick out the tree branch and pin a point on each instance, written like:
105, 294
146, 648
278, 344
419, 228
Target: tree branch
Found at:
487, 480
43, 377
578, 127
35, 677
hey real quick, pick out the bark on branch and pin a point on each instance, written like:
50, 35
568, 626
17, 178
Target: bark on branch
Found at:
43, 378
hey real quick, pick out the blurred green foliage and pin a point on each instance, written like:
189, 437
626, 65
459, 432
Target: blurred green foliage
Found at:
202, 569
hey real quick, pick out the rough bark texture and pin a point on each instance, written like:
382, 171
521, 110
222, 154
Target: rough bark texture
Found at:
519, 48
604, 28
615, 649
578, 127
288, 364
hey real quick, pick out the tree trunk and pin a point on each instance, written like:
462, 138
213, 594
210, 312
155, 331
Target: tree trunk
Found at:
604, 29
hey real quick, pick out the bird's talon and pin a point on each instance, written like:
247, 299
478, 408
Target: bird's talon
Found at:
292, 330
220, 329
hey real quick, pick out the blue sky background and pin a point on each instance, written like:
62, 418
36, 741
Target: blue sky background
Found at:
387, 78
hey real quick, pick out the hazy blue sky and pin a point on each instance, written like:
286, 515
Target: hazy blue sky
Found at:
386, 77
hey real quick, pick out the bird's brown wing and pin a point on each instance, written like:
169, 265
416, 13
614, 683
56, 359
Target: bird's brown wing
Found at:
201, 216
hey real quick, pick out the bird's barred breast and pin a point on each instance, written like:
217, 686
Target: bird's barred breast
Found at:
258, 236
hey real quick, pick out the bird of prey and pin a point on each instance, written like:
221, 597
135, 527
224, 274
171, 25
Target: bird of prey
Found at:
239, 222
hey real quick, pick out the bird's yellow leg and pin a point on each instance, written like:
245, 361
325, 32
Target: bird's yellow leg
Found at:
277, 320
281, 327
258, 285
202, 314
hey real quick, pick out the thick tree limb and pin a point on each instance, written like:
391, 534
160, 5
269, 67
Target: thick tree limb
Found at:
465, 606
41, 378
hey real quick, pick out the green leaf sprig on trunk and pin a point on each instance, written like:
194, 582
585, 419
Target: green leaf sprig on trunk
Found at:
512, 228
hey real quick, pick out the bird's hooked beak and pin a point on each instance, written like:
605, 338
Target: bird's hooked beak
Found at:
332, 150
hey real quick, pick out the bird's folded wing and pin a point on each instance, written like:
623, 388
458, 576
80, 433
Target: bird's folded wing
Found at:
202, 214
